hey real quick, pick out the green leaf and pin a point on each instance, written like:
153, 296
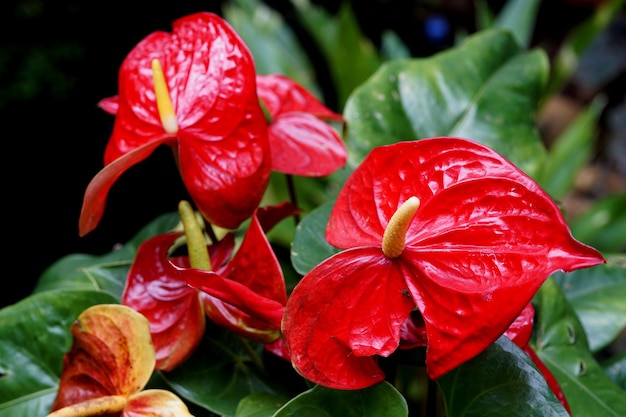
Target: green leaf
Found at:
350, 56
101, 273
274, 46
519, 16
603, 226
598, 296
259, 404
486, 90
221, 372
571, 152
34, 336
561, 344
381, 400
502, 381
309, 246
615, 369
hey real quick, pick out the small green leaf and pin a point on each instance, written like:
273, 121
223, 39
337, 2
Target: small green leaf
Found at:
309, 244
485, 89
274, 46
561, 343
350, 56
501, 381
259, 404
598, 296
381, 400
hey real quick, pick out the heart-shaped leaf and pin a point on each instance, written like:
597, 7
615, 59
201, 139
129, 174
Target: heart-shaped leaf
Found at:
486, 89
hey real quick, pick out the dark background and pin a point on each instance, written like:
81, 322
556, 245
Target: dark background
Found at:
59, 58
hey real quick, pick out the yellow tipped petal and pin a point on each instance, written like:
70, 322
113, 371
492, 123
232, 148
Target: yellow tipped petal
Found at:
163, 99
395, 234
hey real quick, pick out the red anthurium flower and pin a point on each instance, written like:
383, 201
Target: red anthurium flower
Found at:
444, 225
520, 332
244, 292
194, 90
109, 364
301, 142
154, 288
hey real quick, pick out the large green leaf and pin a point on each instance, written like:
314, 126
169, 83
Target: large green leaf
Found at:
222, 371
309, 244
561, 343
34, 337
485, 89
102, 273
381, 400
615, 368
273, 44
519, 16
502, 381
598, 296
259, 404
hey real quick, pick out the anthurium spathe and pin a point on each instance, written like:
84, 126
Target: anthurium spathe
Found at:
301, 141
243, 291
194, 90
110, 362
443, 225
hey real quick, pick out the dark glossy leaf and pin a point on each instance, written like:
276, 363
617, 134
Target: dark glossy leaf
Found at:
500, 382
259, 405
598, 296
101, 273
561, 344
221, 373
380, 400
485, 89
309, 244
34, 336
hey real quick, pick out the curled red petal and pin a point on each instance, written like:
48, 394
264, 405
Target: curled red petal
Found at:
521, 330
302, 144
155, 289
343, 312
281, 95
94, 200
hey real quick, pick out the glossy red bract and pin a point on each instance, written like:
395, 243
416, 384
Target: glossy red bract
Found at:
482, 241
221, 147
301, 141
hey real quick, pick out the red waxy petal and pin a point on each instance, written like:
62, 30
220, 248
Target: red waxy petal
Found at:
155, 289
347, 309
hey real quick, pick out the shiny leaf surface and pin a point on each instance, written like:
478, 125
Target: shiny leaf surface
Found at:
381, 400
502, 380
561, 344
486, 89
598, 296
